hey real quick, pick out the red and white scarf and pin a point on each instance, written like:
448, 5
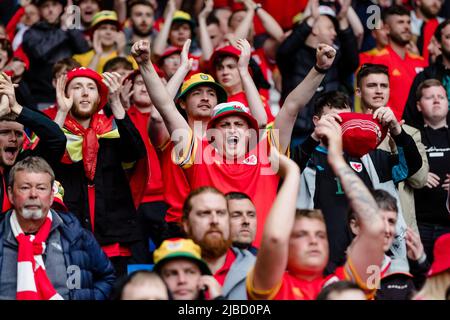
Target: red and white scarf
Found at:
32, 280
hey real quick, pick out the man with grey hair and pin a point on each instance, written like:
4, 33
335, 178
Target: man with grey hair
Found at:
45, 255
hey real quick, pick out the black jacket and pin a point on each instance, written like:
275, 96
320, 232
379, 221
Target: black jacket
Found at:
295, 59
115, 214
45, 45
436, 70
52, 141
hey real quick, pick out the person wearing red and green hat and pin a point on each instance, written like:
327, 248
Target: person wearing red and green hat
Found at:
235, 154
96, 186
185, 273
108, 41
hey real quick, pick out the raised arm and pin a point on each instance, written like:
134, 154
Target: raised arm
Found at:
272, 258
271, 25
205, 40
366, 250
157, 130
160, 43
301, 95
243, 30
251, 92
161, 99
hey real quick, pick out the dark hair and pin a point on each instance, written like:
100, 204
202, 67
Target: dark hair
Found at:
331, 99
368, 69
438, 32
5, 44
133, 3
427, 84
187, 206
237, 196
394, 11
337, 287
117, 62
66, 63
212, 19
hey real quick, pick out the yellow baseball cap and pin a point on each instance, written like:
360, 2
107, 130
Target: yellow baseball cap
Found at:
104, 16
179, 249
181, 16
203, 79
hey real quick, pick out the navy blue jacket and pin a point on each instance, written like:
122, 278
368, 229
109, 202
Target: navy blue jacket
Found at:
82, 250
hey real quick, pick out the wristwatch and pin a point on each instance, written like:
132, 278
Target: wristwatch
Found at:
258, 6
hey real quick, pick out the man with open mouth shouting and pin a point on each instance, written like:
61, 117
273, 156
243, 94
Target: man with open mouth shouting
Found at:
14, 144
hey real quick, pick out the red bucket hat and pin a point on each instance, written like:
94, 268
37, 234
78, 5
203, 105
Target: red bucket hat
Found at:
360, 133
91, 74
441, 254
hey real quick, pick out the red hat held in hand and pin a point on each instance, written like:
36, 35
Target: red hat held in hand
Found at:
441, 254
360, 133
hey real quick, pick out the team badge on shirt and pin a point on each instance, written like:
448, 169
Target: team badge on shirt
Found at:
357, 166
252, 160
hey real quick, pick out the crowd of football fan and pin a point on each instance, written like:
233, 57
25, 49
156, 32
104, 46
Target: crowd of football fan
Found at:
224, 149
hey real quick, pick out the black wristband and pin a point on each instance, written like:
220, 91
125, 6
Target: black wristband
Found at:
320, 70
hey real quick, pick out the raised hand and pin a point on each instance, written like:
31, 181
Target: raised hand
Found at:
141, 52
387, 119
126, 93
113, 81
345, 5
325, 55
414, 246
63, 102
433, 180
7, 89
185, 61
330, 132
246, 51
96, 44
208, 8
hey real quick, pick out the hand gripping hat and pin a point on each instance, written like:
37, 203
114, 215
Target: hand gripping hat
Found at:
179, 249
89, 73
232, 108
360, 133
202, 79
441, 254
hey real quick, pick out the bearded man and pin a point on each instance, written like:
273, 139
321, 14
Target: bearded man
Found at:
91, 170
207, 222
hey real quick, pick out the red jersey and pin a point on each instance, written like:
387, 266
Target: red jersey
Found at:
291, 287
401, 75
243, 99
251, 174
154, 189
221, 274
176, 186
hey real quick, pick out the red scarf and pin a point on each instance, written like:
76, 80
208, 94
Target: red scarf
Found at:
32, 280
100, 124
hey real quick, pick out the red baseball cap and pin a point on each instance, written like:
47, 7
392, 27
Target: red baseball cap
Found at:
360, 133
441, 254
91, 74
220, 52
168, 52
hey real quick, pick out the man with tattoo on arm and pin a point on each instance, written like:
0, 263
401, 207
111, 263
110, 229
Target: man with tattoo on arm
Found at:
290, 265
